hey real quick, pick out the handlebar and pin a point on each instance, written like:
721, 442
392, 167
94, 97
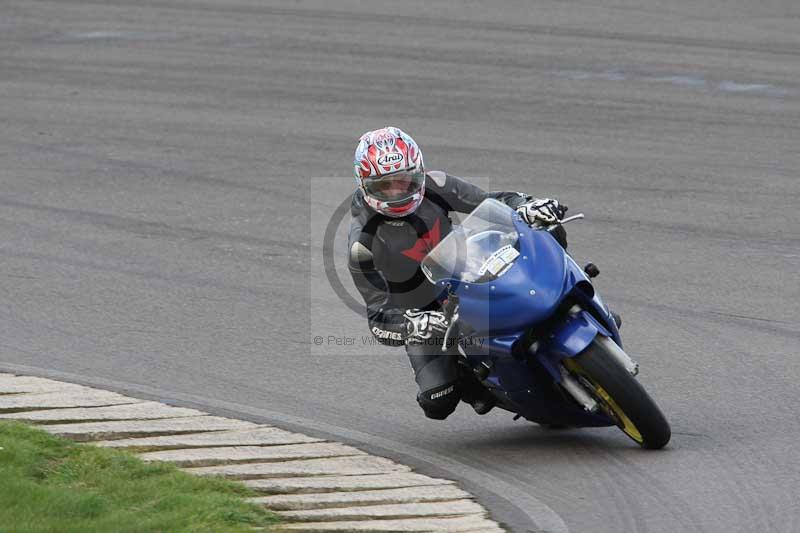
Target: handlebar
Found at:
563, 221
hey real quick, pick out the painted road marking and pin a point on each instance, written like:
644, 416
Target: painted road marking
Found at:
131, 411
296, 502
261, 436
141, 428
197, 457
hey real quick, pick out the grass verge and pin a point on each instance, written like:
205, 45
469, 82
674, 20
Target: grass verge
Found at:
51, 484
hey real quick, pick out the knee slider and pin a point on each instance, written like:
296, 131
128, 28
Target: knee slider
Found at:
438, 403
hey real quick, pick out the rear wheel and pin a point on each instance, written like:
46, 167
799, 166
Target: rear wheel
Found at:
620, 396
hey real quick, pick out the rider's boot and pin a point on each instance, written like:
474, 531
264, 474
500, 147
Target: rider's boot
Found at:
475, 394
484, 404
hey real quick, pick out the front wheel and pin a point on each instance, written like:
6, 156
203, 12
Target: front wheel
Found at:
620, 396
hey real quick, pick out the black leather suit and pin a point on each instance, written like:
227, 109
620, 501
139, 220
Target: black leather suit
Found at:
384, 259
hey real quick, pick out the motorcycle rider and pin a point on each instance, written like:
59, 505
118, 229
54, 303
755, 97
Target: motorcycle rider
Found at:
399, 213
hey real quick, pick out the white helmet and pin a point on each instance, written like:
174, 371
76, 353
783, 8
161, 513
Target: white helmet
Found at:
389, 171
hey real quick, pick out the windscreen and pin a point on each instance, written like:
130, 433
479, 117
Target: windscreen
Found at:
479, 250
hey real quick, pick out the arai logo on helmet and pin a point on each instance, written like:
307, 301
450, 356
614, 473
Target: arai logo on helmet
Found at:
391, 158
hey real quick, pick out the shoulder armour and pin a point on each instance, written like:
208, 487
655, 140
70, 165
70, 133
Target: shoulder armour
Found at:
438, 177
360, 254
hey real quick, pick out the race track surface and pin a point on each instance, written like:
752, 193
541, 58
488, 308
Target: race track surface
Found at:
162, 187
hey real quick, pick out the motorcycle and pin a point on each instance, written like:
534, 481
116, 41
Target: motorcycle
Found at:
529, 325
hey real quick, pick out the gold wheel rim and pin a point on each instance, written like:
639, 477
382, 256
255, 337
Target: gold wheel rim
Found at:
625, 424
608, 404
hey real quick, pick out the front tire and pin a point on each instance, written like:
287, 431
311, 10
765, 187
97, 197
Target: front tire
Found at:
620, 396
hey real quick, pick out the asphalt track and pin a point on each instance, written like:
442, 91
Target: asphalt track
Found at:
162, 198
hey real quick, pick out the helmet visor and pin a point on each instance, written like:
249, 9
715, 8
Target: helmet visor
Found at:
394, 187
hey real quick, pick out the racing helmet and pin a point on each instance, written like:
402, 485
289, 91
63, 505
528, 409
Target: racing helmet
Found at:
389, 171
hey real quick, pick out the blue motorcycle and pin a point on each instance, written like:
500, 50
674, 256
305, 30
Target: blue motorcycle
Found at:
528, 323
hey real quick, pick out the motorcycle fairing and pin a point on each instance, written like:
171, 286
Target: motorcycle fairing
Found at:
526, 293
538, 292
574, 335
540, 280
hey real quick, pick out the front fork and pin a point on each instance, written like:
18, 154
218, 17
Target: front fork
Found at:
577, 333
577, 391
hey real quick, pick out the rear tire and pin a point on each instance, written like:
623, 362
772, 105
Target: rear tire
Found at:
621, 396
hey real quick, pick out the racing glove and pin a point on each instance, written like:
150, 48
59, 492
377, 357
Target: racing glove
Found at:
422, 325
542, 211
